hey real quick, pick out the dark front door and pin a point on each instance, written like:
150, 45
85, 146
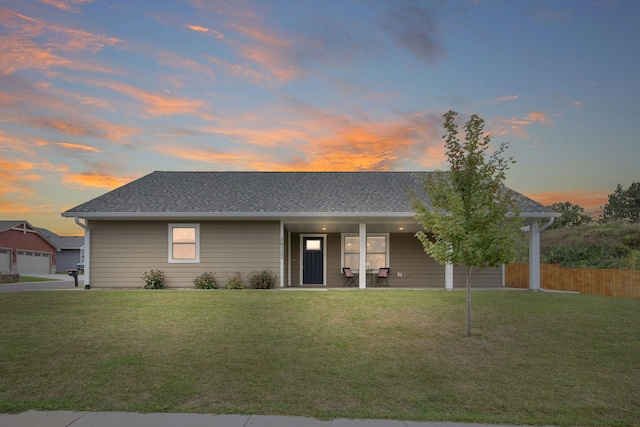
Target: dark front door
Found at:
312, 260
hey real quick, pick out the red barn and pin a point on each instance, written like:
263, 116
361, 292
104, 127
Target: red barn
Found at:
24, 250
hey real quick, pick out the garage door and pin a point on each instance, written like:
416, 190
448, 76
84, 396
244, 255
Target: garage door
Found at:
33, 262
5, 261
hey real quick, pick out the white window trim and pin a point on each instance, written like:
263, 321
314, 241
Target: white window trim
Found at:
170, 249
357, 270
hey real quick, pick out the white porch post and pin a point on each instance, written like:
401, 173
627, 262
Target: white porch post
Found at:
288, 259
534, 257
87, 252
362, 267
448, 276
281, 253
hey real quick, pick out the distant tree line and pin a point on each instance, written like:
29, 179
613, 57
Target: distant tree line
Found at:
622, 206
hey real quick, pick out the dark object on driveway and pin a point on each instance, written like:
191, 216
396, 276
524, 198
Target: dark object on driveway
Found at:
80, 266
74, 274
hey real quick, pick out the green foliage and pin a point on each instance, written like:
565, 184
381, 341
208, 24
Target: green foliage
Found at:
153, 279
235, 282
262, 279
631, 261
473, 218
594, 255
623, 205
205, 281
631, 236
572, 215
612, 245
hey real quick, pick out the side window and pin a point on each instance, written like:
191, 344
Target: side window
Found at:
184, 243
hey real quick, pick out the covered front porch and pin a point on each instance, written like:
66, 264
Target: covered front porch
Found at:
313, 254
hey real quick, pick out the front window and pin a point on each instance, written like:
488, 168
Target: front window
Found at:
184, 243
377, 251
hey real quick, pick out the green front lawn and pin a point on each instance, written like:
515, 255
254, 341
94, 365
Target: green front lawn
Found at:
534, 358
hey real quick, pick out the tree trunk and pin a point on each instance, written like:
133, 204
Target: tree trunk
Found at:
468, 301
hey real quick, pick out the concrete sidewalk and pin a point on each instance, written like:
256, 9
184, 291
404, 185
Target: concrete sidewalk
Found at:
129, 419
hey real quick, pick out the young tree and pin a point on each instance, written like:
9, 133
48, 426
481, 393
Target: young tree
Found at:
473, 219
623, 205
572, 215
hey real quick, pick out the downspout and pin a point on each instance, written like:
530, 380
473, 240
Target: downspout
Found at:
547, 225
87, 253
534, 254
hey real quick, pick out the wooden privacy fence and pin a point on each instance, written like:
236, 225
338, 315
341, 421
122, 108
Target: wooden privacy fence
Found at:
613, 283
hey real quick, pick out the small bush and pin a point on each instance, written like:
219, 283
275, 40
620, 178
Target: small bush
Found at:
262, 279
235, 282
153, 279
205, 281
631, 261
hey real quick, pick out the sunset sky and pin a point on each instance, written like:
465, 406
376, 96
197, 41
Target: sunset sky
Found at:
96, 93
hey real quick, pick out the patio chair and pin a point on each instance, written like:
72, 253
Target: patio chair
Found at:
349, 277
383, 276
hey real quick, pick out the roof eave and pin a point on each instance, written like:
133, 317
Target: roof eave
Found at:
263, 215
232, 215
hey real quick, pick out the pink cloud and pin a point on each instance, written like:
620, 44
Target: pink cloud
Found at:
94, 180
23, 47
538, 117
270, 57
518, 126
66, 5
591, 201
78, 147
205, 30
92, 128
160, 105
316, 140
15, 175
507, 98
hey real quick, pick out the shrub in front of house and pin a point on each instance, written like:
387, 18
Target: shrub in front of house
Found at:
153, 279
262, 279
235, 282
205, 281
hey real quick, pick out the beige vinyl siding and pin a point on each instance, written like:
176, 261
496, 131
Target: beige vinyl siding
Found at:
421, 270
334, 264
418, 269
484, 278
295, 259
121, 251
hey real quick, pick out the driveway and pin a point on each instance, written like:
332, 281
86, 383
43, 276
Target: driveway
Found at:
57, 281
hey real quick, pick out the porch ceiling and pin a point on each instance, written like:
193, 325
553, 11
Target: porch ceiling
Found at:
334, 225
399, 224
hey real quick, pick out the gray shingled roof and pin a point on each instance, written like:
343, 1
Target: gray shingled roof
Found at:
266, 192
9, 224
63, 242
